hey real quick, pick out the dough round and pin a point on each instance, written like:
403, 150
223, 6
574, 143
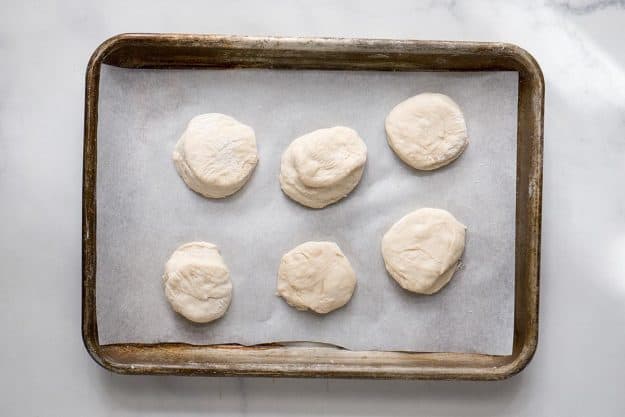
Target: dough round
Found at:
197, 282
215, 155
316, 276
421, 251
323, 166
427, 131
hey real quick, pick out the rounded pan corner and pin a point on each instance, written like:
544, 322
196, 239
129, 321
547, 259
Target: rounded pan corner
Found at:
110, 45
526, 61
94, 350
518, 362
104, 49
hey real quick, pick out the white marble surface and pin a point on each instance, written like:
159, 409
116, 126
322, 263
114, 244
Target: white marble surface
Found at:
579, 366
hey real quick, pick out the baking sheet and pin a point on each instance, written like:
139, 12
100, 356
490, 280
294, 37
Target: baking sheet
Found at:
145, 211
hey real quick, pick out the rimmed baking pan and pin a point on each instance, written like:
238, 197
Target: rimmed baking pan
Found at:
172, 51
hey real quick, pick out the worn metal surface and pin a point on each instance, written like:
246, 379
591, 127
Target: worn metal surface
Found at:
204, 51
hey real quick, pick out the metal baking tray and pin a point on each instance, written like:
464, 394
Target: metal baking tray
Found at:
165, 51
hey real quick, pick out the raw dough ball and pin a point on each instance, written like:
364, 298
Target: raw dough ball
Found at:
427, 131
215, 155
316, 276
197, 282
421, 251
323, 166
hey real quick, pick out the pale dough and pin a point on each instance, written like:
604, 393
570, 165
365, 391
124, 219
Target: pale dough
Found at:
215, 155
197, 282
421, 251
316, 276
427, 131
323, 166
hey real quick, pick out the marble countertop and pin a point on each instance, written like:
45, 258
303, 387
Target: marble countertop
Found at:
578, 368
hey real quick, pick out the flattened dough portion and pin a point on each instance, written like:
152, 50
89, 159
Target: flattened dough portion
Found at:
197, 282
421, 251
316, 276
216, 154
323, 166
427, 131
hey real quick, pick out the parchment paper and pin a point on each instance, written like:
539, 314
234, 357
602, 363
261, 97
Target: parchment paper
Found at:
145, 211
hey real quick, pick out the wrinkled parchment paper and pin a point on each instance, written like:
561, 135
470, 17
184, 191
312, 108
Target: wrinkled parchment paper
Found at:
145, 211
